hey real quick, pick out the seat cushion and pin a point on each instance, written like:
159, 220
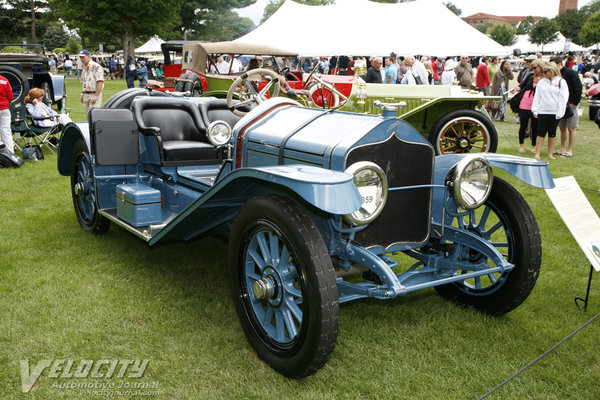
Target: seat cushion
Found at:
189, 150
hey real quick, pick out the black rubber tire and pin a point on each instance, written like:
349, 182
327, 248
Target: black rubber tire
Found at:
97, 224
18, 81
524, 251
471, 117
314, 343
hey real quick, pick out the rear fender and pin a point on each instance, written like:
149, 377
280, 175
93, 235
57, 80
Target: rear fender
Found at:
71, 134
58, 87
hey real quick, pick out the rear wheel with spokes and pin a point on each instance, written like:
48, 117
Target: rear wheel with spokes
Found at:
464, 131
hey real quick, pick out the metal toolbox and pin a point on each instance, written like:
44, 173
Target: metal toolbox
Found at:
138, 204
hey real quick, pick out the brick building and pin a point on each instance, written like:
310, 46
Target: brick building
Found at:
483, 18
566, 5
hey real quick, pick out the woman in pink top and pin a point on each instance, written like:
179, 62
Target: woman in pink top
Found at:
525, 114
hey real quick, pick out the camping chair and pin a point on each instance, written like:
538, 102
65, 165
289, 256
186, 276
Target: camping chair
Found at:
27, 134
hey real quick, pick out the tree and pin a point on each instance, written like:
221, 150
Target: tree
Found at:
127, 19
55, 36
591, 8
23, 15
222, 26
273, 5
590, 31
453, 8
483, 28
198, 15
503, 33
570, 22
525, 25
544, 31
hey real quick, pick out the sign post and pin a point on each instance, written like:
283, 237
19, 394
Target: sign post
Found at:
582, 221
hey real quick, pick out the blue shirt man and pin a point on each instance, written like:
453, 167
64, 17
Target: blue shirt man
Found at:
391, 71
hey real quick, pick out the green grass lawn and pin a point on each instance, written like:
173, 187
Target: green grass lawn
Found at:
67, 294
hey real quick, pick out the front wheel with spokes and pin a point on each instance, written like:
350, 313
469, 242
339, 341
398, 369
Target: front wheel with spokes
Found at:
506, 221
283, 285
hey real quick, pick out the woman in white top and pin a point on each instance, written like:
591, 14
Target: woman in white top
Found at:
448, 76
36, 108
549, 104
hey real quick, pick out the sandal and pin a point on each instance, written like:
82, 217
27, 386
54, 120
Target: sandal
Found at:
566, 155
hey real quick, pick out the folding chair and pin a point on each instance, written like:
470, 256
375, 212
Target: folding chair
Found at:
27, 134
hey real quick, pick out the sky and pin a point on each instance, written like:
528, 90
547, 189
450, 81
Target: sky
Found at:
543, 8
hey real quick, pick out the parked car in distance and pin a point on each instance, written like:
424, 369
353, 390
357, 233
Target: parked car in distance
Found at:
320, 207
26, 69
452, 119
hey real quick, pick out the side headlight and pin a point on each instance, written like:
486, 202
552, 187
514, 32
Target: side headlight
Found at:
219, 133
471, 181
372, 184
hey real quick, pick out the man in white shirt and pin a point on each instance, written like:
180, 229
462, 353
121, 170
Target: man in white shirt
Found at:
418, 71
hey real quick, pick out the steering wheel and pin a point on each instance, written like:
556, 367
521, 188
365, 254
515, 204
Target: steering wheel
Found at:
246, 86
307, 81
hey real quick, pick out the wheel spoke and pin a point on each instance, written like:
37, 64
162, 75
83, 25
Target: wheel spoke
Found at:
484, 218
492, 278
257, 259
266, 88
279, 326
294, 309
268, 320
264, 246
493, 229
289, 323
253, 276
274, 247
291, 290
477, 282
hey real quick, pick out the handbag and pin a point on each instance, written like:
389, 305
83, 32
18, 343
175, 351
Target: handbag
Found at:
569, 112
515, 101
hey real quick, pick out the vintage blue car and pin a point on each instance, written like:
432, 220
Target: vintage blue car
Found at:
320, 207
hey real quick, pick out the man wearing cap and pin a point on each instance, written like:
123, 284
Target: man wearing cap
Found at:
92, 82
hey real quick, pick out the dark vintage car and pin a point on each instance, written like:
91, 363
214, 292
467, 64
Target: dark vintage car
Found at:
26, 70
320, 207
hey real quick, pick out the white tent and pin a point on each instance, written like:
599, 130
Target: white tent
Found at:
151, 46
558, 46
365, 28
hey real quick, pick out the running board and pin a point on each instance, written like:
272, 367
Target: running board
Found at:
144, 232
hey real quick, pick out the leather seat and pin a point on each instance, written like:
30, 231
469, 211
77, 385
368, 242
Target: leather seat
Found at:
180, 130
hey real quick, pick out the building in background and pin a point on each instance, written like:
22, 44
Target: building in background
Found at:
567, 5
483, 18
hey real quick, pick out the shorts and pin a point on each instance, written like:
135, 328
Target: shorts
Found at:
571, 122
547, 123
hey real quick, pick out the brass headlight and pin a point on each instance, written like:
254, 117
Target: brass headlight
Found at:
471, 181
372, 184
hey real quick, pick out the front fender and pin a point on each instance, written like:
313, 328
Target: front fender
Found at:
533, 172
331, 191
72, 132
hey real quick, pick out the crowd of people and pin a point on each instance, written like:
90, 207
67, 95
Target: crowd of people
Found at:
545, 100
